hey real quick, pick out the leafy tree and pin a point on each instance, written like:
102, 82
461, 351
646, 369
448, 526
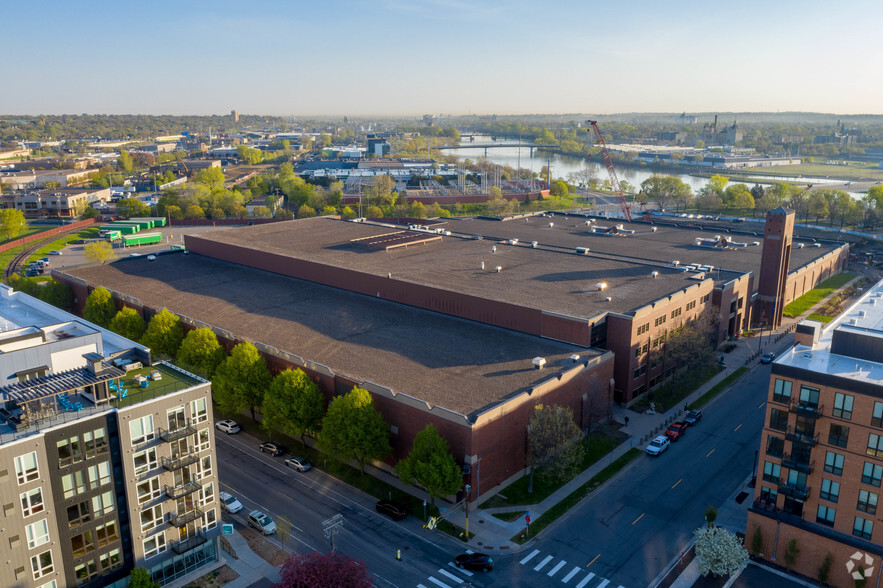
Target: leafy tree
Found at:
241, 379
374, 212
128, 323
100, 307
174, 212
304, 211
710, 515
666, 189
283, 528
164, 333
553, 442
757, 540
125, 161
348, 212
353, 429
431, 465
381, 191
293, 404
88, 212
719, 551
559, 189
738, 197
418, 210
99, 252
284, 213
129, 207
194, 212
57, 294
250, 155
324, 570
329, 210
825, 568
200, 349
140, 578
791, 553
12, 223
213, 177
818, 206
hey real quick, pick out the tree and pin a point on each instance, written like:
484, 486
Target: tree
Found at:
193, 212
303, 212
559, 189
818, 206
241, 379
700, 144
140, 578
200, 349
552, 440
174, 212
99, 252
374, 212
213, 177
710, 515
791, 553
381, 191
128, 323
324, 570
757, 541
88, 212
293, 404
283, 528
431, 465
125, 161
665, 189
100, 307
825, 568
719, 551
353, 429
164, 333
57, 294
129, 207
12, 223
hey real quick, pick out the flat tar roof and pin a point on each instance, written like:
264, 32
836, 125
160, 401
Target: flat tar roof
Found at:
453, 363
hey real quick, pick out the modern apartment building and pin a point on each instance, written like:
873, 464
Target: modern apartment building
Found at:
107, 461
821, 456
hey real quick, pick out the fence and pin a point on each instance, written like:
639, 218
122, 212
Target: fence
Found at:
42, 235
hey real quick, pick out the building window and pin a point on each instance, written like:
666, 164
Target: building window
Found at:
843, 406
834, 463
640, 371
107, 533
643, 328
69, 451
775, 446
825, 515
877, 416
210, 519
660, 320
74, 483
691, 305
769, 494
863, 528
83, 543
638, 351
32, 502
154, 545
103, 504
95, 442
79, 514
26, 467
207, 494
782, 391
205, 467
148, 490
99, 475
42, 564
778, 419
867, 502
676, 313
201, 442
871, 474
38, 533
809, 396
145, 460
771, 472
141, 429
838, 435
875, 445
51, 584
151, 518
198, 412
111, 560
85, 572
830, 490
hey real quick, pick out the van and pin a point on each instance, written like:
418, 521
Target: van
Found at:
261, 522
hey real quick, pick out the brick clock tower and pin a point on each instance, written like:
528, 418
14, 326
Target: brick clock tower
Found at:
774, 262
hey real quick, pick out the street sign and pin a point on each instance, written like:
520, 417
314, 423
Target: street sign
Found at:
226, 529
527, 519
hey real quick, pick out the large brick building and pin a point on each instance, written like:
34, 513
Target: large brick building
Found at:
821, 453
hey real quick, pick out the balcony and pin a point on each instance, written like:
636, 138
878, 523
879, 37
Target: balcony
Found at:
180, 547
176, 434
176, 463
792, 490
176, 492
806, 409
800, 466
801, 437
179, 520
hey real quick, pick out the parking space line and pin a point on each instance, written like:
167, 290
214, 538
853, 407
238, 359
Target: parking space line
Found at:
572, 573
450, 575
585, 580
467, 572
540, 565
529, 557
554, 570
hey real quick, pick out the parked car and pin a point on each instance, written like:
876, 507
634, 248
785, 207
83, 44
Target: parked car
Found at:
658, 445
676, 430
693, 417
768, 358
298, 463
55, 253
228, 426
230, 503
391, 509
261, 522
475, 561
272, 448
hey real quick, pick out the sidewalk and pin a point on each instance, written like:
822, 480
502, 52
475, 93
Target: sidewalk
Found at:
251, 567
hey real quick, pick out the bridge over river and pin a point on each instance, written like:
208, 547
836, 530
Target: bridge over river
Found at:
531, 146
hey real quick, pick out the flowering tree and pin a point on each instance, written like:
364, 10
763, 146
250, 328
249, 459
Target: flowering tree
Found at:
719, 551
324, 570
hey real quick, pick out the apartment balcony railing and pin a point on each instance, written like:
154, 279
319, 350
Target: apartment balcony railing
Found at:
801, 437
175, 492
806, 409
801, 466
180, 547
793, 490
179, 520
182, 460
178, 433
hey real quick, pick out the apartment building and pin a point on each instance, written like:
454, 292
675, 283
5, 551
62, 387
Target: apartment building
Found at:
108, 461
821, 456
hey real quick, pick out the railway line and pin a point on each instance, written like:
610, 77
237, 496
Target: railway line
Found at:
20, 258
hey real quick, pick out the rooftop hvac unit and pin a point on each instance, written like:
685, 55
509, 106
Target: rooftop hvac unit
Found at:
513, 241
755, 243
801, 245
601, 286
494, 249
582, 250
860, 313
816, 244
574, 358
675, 263
482, 265
534, 244
539, 362
653, 230
654, 273
588, 222
608, 299
551, 225
499, 268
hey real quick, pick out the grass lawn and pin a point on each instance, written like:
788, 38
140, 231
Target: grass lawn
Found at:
718, 388
509, 516
821, 318
817, 294
862, 171
27, 232
671, 394
62, 242
172, 381
577, 495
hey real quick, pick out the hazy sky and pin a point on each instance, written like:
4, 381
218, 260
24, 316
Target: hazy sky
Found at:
412, 57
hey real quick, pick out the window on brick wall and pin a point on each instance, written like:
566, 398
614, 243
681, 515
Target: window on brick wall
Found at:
771, 472
825, 515
775, 446
872, 474
842, 406
877, 415
834, 463
875, 445
829, 490
867, 502
778, 419
863, 528
782, 391
838, 435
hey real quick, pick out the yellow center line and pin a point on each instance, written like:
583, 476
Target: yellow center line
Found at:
593, 561
639, 518
678, 482
709, 453
737, 428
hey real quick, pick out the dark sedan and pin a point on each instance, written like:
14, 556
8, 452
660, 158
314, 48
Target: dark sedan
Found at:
475, 561
391, 509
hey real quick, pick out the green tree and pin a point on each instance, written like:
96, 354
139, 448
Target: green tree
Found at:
430, 464
12, 223
553, 442
825, 568
200, 349
353, 429
100, 307
125, 161
293, 404
665, 190
99, 252
128, 323
559, 189
818, 206
738, 197
304, 211
194, 212
57, 294
213, 177
88, 212
791, 553
174, 212
164, 333
373, 212
241, 379
140, 578
129, 207
381, 191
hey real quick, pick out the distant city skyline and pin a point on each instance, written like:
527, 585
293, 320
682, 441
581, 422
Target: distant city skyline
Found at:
407, 58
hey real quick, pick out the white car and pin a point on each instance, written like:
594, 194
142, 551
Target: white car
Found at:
261, 522
230, 503
228, 426
658, 445
55, 253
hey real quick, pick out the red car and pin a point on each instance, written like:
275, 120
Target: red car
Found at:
676, 430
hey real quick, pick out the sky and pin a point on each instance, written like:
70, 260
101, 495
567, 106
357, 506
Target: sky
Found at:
413, 57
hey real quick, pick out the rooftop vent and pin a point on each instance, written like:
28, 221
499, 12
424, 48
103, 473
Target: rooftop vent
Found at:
582, 250
513, 241
801, 245
601, 286
499, 268
534, 244
608, 299
482, 265
654, 273
539, 362
574, 358
816, 244
653, 230
551, 225
755, 243
494, 249
675, 263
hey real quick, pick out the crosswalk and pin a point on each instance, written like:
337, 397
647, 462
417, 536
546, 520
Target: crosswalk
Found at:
448, 578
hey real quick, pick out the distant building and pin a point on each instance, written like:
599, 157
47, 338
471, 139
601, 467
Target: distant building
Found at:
37, 178
377, 146
56, 202
678, 138
711, 135
235, 115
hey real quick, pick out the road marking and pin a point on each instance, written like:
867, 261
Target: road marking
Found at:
585, 580
593, 561
439, 582
604, 583
540, 565
761, 404
636, 520
467, 572
678, 482
554, 570
737, 428
420, 586
450, 575
529, 557
570, 575
709, 453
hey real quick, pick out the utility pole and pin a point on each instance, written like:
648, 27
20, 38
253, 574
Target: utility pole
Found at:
331, 527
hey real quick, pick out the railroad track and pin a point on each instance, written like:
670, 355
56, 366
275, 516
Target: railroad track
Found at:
19, 260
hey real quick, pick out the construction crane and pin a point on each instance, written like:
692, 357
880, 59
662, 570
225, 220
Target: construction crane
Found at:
614, 181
